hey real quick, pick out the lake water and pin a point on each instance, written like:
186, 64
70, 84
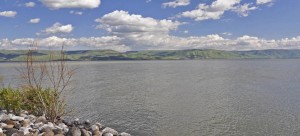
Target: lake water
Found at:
188, 98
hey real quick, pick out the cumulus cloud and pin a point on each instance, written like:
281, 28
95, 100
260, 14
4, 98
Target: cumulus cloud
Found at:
260, 2
176, 3
125, 24
34, 20
30, 4
218, 8
244, 10
166, 42
10, 14
58, 4
135, 32
213, 11
76, 12
54, 42
57, 28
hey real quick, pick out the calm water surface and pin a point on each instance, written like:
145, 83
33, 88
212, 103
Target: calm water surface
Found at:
188, 98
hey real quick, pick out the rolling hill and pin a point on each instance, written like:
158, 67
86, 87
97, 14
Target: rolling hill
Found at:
192, 54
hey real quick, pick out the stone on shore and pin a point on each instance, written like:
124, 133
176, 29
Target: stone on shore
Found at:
110, 130
30, 125
124, 134
108, 134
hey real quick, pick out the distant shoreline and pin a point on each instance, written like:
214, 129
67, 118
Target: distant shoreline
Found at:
111, 55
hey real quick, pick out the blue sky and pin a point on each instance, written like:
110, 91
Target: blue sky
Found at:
125, 25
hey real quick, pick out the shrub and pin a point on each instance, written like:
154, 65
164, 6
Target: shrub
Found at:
45, 83
11, 99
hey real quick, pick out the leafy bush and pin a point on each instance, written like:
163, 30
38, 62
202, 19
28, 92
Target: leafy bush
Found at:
43, 87
11, 99
37, 102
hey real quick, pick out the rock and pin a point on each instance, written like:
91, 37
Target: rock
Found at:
2, 134
8, 126
10, 131
74, 131
110, 130
12, 125
17, 126
64, 127
48, 133
25, 123
97, 133
99, 125
4, 117
16, 118
41, 119
108, 134
124, 134
87, 124
23, 115
51, 125
57, 131
10, 122
45, 129
84, 132
32, 118
38, 125
25, 130
94, 128
76, 121
2, 125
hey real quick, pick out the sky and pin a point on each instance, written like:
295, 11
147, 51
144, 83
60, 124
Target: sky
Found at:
131, 25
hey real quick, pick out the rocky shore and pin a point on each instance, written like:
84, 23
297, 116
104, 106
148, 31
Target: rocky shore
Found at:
29, 125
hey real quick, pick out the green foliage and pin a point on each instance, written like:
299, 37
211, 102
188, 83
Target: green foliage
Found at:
37, 102
11, 99
44, 101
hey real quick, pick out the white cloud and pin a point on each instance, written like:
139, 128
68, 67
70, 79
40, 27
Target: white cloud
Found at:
10, 14
176, 3
59, 28
135, 32
76, 12
218, 8
243, 10
147, 1
260, 2
227, 34
213, 11
29, 4
57, 4
54, 42
186, 31
166, 42
122, 23
34, 20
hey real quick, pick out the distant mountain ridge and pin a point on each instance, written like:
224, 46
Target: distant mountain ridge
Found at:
191, 54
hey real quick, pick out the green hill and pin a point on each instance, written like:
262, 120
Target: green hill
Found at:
95, 55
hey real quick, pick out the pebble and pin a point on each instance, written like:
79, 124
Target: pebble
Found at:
84, 132
30, 125
97, 133
110, 130
108, 134
124, 134
74, 131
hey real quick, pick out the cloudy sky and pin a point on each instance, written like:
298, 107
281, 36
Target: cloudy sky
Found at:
125, 25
